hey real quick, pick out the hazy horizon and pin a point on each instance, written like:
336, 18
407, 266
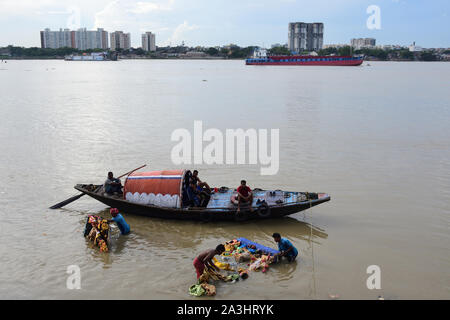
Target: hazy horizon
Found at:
214, 23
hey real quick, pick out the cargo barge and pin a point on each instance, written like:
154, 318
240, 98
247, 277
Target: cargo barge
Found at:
261, 59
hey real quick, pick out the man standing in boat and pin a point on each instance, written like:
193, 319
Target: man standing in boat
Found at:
113, 185
245, 195
204, 260
285, 247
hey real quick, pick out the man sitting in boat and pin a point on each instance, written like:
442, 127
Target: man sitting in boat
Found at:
285, 247
198, 196
204, 259
193, 194
245, 195
199, 182
113, 185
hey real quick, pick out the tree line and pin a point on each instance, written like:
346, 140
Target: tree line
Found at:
231, 52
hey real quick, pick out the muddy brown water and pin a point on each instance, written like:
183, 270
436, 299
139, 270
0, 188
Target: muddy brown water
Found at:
376, 138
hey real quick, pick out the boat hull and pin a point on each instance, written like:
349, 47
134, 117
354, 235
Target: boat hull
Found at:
319, 63
200, 214
306, 61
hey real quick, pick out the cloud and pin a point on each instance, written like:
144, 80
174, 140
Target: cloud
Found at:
132, 16
138, 17
113, 16
24, 6
146, 7
180, 31
123, 13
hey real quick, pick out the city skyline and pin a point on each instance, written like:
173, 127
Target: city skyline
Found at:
251, 22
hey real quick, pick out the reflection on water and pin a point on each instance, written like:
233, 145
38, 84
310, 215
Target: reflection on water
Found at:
158, 234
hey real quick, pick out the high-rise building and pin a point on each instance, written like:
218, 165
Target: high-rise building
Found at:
305, 36
363, 43
86, 39
81, 39
120, 40
56, 39
148, 41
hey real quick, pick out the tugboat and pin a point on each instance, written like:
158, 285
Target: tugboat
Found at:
260, 58
164, 194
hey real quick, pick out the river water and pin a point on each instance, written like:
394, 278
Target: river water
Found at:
376, 138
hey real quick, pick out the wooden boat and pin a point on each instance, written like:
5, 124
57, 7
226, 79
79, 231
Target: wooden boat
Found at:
164, 194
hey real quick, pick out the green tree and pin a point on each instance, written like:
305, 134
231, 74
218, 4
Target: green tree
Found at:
327, 51
139, 52
428, 56
279, 51
406, 54
345, 51
212, 51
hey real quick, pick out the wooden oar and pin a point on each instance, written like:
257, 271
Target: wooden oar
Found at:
65, 202
72, 199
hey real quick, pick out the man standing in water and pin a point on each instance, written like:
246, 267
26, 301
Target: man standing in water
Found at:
204, 259
285, 247
121, 223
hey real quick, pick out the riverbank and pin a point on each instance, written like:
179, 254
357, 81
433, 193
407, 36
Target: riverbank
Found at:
219, 53
197, 58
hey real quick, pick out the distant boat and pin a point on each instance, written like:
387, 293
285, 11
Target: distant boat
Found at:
94, 56
164, 194
260, 58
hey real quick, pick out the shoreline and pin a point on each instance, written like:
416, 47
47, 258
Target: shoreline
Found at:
192, 58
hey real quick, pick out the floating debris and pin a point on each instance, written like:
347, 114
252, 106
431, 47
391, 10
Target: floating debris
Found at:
333, 296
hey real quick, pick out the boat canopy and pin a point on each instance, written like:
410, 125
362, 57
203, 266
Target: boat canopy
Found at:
159, 188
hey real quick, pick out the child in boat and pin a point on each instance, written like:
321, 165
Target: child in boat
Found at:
204, 260
121, 223
285, 247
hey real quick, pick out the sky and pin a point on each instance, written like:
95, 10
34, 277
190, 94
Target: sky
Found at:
221, 22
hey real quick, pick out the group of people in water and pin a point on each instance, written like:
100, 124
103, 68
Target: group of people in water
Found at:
205, 259
199, 192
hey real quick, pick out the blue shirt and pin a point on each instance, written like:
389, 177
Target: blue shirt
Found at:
285, 244
121, 223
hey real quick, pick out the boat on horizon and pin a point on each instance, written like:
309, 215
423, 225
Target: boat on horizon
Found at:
260, 58
164, 194
94, 56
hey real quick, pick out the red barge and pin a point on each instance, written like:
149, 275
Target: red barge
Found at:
305, 61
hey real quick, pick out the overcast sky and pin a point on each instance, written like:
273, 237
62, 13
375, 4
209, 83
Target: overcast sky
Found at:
219, 22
